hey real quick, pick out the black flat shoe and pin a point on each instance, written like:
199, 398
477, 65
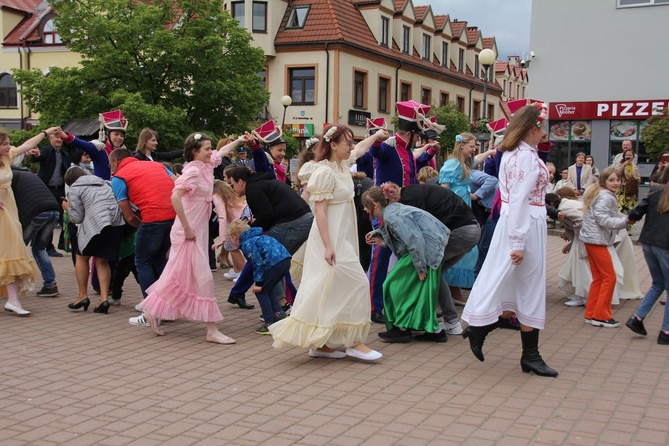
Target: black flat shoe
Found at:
433, 337
82, 303
378, 318
241, 302
636, 326
102, 308
395, 335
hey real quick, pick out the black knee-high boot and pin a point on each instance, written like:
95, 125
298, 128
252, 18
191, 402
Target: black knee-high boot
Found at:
531, 360
477, 336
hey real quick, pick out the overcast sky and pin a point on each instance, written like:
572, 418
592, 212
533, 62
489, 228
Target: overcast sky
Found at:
507, 20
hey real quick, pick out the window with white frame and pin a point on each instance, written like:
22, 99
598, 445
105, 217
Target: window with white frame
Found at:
8, 98
298, 17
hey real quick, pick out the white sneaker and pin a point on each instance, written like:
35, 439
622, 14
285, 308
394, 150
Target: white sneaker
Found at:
139, 321
231, 275
454, 328
235, 280
575, 301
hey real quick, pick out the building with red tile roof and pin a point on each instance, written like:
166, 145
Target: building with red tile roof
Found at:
339, 60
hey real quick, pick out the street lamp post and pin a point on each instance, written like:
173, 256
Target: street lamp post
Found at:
487, 57
285, 101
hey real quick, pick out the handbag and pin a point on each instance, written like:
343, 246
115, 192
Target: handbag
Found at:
631, 187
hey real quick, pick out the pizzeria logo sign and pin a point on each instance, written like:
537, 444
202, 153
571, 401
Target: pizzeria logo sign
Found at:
641, 109
564, 109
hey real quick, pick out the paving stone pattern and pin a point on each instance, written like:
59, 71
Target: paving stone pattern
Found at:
78, 378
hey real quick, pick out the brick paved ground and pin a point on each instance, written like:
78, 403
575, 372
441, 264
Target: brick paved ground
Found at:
81, 379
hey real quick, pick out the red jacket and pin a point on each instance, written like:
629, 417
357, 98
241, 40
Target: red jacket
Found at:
149, 188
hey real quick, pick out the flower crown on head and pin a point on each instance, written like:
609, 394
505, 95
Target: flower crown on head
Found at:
328, 135
458, 138
310, 142
543, 113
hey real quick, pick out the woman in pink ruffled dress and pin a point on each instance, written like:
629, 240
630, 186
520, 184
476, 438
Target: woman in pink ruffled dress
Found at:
185, 289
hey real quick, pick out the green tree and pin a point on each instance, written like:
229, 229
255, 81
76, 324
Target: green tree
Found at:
175, 66
656, 135
455, 121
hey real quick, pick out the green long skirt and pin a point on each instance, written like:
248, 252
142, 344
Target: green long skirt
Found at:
408, 302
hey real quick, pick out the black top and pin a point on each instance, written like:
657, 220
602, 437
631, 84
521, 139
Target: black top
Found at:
160, 156
31, 195
47, 162
654, 231
441, 202
273, 202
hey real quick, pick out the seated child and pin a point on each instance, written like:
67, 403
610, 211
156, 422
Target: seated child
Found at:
271, 261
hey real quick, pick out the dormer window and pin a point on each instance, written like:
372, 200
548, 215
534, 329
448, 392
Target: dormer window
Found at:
427, 47
385, 31
298, 17
50, 34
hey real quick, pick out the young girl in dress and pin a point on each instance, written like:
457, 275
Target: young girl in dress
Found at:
185, 288
410, 290
513, 276
228, 207
332, 304
601, 220
654, 240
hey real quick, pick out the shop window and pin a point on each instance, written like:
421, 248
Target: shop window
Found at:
384, 94
239, 13
298, 17
259, 17
627, 131
385, 31
8, 98
569, 138
302, 85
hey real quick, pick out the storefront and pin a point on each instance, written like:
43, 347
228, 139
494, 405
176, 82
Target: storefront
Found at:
598, 128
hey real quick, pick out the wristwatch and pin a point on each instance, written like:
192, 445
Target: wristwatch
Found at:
44, 131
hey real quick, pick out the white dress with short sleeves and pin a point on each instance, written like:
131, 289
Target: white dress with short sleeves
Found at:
332, 305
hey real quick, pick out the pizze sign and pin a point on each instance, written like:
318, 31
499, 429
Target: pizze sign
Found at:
569, 111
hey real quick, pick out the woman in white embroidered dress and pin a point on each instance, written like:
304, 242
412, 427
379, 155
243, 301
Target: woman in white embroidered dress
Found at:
332, 305
513, 277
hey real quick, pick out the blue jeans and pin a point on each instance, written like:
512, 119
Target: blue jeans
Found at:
267, 297
657, 260
291, 235
152, 242
39, 234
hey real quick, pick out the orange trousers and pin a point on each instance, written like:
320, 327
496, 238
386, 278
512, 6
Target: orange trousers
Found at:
603, 283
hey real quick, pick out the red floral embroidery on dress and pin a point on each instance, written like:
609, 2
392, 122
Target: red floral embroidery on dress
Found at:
538, 194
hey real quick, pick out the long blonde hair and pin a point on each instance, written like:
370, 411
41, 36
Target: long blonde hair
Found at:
226, 193
466, 163
594, 189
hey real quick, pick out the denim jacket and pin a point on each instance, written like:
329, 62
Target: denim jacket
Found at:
409, 230
262, 251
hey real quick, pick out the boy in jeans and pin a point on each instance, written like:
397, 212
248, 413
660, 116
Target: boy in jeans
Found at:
271, 261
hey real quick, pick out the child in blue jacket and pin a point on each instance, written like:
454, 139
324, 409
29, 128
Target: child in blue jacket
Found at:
271, 261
